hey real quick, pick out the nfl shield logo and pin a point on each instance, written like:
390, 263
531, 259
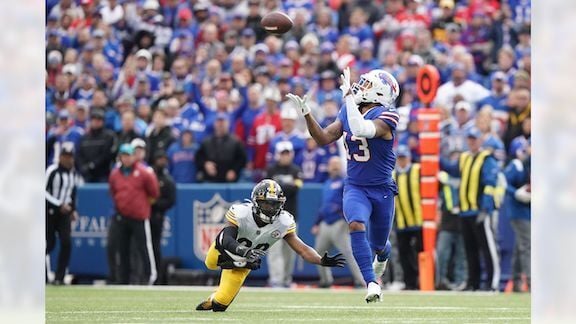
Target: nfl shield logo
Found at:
208, 222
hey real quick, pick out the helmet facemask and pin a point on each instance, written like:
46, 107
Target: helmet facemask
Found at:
360, 89
268, 210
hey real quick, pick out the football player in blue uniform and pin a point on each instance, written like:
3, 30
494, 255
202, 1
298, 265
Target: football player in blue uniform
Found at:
368, 122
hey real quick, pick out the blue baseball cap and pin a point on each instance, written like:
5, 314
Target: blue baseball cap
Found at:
126, 148
473, 133
403, 151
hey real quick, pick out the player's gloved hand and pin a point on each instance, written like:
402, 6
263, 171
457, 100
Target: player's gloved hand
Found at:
300, 103
253, 265
345, 86
251, 255
333, 261
481, 217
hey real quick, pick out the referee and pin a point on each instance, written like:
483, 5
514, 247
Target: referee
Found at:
60, 207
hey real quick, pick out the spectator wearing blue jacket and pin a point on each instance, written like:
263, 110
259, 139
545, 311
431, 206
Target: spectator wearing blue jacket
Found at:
517, 201
181, 155
64, 131
331, 228
478, 171
498, 95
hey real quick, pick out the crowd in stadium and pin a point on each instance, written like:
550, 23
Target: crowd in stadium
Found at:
202, 83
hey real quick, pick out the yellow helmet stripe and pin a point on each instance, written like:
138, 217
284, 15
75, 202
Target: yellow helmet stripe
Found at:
272, 188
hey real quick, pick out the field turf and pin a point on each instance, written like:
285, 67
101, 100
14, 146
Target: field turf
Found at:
112, 304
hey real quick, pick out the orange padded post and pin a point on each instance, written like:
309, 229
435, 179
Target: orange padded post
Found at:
427, 83
426, 270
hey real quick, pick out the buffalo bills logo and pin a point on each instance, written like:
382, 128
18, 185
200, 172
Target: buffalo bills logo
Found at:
385, 78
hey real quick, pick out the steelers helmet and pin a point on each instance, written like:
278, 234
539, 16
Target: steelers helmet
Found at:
267, 200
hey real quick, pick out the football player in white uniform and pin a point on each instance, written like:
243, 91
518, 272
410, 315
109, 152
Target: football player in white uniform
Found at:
252, 227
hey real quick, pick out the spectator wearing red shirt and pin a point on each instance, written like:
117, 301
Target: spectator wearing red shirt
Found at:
133, 188
265, 127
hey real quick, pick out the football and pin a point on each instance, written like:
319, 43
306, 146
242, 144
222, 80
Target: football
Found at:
276, 23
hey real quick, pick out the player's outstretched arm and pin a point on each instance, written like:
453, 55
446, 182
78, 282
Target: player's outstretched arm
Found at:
310, 255
322, 136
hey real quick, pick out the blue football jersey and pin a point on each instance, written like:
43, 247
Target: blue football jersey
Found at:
370, 160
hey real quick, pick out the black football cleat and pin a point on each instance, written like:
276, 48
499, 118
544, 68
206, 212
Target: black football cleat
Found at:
204, 306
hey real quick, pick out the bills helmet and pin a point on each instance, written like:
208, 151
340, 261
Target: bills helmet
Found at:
376, 86
267, 200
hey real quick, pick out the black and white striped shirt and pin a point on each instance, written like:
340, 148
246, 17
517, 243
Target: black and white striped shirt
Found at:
60, 187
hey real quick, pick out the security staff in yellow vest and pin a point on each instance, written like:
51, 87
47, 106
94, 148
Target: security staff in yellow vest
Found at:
478, 172
408, 220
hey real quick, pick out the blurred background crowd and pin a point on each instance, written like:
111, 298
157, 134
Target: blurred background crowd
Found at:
167, 71
201, 83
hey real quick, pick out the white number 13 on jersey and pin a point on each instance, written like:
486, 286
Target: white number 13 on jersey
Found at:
362, 146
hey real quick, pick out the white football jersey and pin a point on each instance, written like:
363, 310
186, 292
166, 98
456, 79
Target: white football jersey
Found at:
256, 237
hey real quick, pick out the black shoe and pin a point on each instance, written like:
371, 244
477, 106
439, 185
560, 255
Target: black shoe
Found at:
204, 306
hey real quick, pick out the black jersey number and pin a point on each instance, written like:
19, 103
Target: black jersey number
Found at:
248, 243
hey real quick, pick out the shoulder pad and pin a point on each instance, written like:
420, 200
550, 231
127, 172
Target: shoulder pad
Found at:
286, 218
241, 210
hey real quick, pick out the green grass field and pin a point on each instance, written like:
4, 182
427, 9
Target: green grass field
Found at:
87, 304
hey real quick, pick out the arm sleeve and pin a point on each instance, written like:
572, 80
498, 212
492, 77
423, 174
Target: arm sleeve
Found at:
226, 239
358, 125
489, 179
